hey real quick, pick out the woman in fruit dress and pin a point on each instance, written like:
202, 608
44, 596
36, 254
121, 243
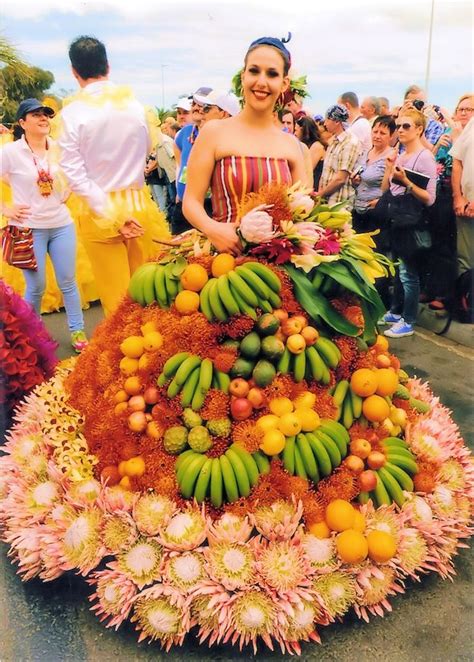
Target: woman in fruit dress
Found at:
238, 155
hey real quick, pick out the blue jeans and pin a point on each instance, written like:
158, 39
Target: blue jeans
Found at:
406, 292
159, 194
60, 243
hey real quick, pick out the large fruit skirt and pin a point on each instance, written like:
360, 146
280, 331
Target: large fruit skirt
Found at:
205, 479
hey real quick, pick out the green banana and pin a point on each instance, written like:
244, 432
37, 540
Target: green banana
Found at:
202, 483
284, 364
316, 363
398, 450
330, 446
160, 288
205, 376
198, 399
240, 286
173, 363
226, 296
394, 442
299, 366
149, 287
249, 463
223, 380
266, 274
338, 432
171, 285
307, 457
274, 300
182, 457
363, 497
173, 388
347, 413
265, 306
299, 465
392, 486
186, 368
255, 282
263, 463
204, 304
244, 307
228, 476
381, 496
405, 463
191, 475
215, 302
340, 392
356, 402
216, 483
189, 388
241, 475
181, 470
329, 351
401, 476
320, 453
288, 455
137, 282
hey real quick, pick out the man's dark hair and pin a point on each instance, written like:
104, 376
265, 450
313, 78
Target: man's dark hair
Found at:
88, 57
388, 121
351, 98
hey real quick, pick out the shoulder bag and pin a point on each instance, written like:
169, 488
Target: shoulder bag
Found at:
17, 247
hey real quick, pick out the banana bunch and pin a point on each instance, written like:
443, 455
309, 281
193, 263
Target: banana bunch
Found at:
394, 477
155, 282
314, 455
225, 478
349, 405
240, 291
404, 394
191, 376
313, 363
333, 218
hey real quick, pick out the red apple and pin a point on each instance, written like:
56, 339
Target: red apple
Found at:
310, 334
301, 319
151, 395
257, 397
241, 408
367, 480
291, 326
354, 463
137, 421
375, 460
136, 403
360, 447
239, 387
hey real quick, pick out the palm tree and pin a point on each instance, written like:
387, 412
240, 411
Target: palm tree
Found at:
9, 56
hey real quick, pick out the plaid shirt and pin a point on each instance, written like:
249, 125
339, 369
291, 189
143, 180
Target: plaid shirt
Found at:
342, 154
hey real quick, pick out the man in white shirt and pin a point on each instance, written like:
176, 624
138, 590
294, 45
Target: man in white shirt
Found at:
462, 180
357, 124
104, 140
370, 109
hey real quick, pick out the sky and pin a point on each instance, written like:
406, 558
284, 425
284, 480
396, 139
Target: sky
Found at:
165, 50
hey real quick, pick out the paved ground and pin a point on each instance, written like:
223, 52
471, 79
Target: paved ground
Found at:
432, 622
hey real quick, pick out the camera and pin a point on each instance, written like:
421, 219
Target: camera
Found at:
418, 104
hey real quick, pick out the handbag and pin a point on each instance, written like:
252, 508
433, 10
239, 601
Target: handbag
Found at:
405, 211
17, 247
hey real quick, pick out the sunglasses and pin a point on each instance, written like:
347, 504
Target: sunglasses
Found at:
406, 126
206, 109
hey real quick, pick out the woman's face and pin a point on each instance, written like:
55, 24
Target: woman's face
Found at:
465, 111
407, 129
298, 131
36, 123
262, 79
380, 136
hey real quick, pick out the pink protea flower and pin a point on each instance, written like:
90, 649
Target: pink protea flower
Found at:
336, 591
151, 512
231, 564
284, 565
321, 553
412, 557
250, 615
228, 528
256, 226
384, 519
185, 531
25, 546
374, 585
113, 499
301, 203
300, 627
114, 595
185, 570
119, 532
84, 492
451, 474
278, 521
142, 562
161, 613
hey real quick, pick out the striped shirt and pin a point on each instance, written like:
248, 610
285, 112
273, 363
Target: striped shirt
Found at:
342, 154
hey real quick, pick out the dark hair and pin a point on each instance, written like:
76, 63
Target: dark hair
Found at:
351, 98
310, 130
278, 45
88, 57
386, 120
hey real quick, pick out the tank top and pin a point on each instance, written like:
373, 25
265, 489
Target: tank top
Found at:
235, 176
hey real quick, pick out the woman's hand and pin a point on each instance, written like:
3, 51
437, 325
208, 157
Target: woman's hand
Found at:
224, 237
399, 176
372, 203
460, 205
131, 229
18, 213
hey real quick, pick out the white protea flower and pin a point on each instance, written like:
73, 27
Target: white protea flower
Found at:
85, 491
185, 531
278, 521
229, 528
337, 591
185, 570
256, 226
114, 595
412, 552
418, 508
300, 626
443, 501
231, 564
320, 552
81, 545
302, 202
43, 495
374, 585
451, 474
116, 498
25, 545
119, 532
142, 563
283, 565
151, 512
251, 614
160, 613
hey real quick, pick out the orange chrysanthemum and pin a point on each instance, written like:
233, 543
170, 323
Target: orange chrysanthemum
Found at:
247, 435
273, 194
216, 405
224, 360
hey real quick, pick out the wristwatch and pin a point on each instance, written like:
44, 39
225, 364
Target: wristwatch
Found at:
409, 187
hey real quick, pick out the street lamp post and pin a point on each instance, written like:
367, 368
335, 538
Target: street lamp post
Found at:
428, 59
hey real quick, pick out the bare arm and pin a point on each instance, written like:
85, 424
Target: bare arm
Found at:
298, 169
459, 201
317, 153
334, 184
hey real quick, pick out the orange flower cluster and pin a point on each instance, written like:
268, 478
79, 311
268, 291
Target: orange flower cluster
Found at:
216, 405
342, 484
235, 327
247, 435
223, 359
288, 301
273, 194
425, 479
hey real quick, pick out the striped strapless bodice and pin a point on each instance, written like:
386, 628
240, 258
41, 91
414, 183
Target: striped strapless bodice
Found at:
235, 176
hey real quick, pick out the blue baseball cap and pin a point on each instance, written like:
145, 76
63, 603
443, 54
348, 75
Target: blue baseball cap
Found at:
29, 106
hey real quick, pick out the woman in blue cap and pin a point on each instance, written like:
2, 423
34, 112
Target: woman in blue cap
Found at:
29, 166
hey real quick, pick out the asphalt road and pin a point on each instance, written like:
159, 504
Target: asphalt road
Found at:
431, 622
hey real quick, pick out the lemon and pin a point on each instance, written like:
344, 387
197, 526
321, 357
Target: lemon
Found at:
267, 422
132, 347
120, 396
135, 466
148, 327
152, 341
280, 406
340, 515
273, 442
320, 530
128, 366
308, 418
352, 546
289, 424
305, 399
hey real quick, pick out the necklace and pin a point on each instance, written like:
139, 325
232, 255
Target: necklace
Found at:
45, 180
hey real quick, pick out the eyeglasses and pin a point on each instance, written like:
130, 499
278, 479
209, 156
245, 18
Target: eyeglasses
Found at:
206, 109
465, 110
406, 126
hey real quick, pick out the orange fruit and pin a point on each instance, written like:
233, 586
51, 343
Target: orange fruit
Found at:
289, 424
128, 366
375, 408
152, 340
305, 399
340, 515
382, 546
308, 418
132, 347
280, 406
222, 264
187, 302
267, 422
194, 277
382, 343
352, 546
387, 381
121, 467
273, 442
125, 483
296, 343
120, 408
132, 385
120, 396
148, 327
320, 530
135, 466
359, 522
364, 382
